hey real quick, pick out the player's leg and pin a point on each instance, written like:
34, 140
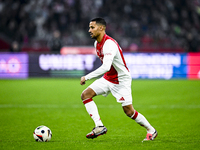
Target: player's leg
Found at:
122, 93
90, 105
141, 120
96, 88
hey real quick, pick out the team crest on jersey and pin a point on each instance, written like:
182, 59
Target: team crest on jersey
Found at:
99, 54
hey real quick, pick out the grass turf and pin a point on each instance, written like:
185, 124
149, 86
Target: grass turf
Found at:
171, 106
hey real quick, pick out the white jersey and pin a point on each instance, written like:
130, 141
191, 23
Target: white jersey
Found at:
113, 64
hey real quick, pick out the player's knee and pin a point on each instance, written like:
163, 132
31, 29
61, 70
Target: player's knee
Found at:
85, 95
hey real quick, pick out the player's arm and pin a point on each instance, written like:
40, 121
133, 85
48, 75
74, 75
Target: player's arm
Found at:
109, 51
105, 67
82, 80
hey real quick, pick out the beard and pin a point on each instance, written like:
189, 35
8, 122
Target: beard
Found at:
93, 36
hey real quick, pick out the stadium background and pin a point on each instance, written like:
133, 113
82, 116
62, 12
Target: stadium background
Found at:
46, 44
42, 38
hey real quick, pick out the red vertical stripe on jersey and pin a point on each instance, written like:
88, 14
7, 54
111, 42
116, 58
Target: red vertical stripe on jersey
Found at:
112, 75
122, 56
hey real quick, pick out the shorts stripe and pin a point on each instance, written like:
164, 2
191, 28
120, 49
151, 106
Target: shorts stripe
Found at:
87, 101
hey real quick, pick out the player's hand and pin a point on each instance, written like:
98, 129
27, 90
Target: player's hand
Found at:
82, 80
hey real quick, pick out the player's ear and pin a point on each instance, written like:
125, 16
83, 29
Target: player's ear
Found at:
101, 28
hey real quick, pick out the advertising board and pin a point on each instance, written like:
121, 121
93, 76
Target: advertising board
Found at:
72, 65
194, 66
13, 65
141, 65
157, 65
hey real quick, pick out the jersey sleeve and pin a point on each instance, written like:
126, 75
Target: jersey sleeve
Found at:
109, 51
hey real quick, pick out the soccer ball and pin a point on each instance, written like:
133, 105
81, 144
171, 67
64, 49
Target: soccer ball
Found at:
42, 134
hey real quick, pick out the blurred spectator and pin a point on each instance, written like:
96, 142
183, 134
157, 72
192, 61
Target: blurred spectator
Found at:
55, 43
153, 22
15, 47
192, 43
133, 47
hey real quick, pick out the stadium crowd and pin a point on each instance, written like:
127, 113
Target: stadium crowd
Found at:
154, 23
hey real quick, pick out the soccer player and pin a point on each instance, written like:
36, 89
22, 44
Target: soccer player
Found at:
116, 80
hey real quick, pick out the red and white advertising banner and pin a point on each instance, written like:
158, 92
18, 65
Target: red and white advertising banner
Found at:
193, 66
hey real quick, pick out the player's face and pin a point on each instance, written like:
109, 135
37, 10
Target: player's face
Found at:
94, 30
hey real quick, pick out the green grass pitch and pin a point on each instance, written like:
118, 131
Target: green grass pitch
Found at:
171, 106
